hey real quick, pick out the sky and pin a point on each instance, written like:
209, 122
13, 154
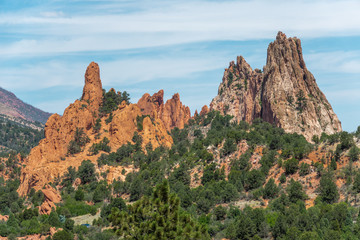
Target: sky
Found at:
179, 46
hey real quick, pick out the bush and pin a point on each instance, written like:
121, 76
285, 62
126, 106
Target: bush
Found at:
79, 195
270, 189
328, 188
80, 140
291, 166
219, 213
295, 191
101, 146
86, 172
304, 169
111, 100
63, 235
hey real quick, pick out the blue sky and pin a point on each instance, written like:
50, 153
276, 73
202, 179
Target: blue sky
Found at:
179, 46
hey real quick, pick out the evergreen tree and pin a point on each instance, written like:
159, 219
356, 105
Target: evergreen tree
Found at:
157, 217
328, 188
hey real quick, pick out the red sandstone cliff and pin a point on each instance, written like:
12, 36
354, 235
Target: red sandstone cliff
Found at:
173, 113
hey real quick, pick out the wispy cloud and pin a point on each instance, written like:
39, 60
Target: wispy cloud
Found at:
337, 61
49, 45
176, 22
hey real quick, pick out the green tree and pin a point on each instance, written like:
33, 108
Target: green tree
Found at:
157, 217
80, 140
54, 219
79, 195
86, 172
354, 153
63, 235
219, 213
69, 225
295, 191
291, 166
328, 188
271, 190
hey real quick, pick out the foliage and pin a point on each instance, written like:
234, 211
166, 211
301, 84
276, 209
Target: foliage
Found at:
157, 217
291, 166
80, 140
328, 189
111, 100
86, 172
270, 189
18, 137
101, 146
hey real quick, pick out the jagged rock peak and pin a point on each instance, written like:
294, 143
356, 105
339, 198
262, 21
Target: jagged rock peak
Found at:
92, 92
204, 110
173, 113
285, 94
238, 94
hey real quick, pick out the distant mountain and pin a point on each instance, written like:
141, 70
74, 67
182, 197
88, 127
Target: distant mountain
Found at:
12, 106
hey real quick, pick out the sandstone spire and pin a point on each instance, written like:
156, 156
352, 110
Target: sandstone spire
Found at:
92, 92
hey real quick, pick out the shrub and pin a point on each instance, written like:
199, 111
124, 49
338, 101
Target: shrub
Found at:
80, 140
291, 166
270, 189
79, 195
304, 169
86, 172
101, 146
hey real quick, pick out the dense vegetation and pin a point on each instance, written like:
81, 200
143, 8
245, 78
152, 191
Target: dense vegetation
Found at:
199, 188
18, 137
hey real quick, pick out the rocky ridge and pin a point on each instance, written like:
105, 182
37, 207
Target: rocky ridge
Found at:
173, 113
50, 159
285, 93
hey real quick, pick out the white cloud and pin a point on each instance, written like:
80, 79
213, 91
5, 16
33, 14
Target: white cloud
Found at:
179, 22
336, 62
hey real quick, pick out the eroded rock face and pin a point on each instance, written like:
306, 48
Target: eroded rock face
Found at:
285, 94
51, 197
173, 113
50, 159
239, 92
92, 92
204, 110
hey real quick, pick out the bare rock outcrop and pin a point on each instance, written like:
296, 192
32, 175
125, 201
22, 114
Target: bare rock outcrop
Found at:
239, 92
51, 197
204, 110
173, 113
50, 159
285, 93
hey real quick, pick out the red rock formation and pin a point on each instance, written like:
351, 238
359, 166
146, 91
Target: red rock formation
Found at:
50, 158
51, 197
92, 92
286, 94
173, 113
204, 110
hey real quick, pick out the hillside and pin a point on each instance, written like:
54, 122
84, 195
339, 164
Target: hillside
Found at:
150, 170
19, 135
12, 106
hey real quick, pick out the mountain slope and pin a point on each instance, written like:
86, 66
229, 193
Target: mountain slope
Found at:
285, 93
12, 106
